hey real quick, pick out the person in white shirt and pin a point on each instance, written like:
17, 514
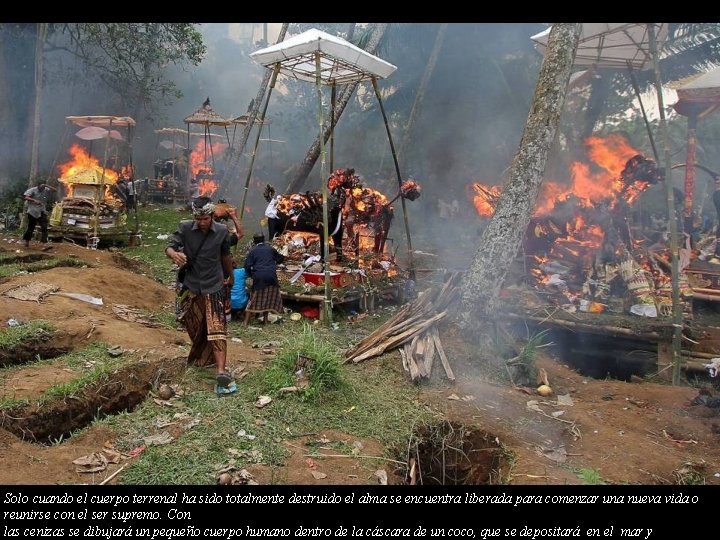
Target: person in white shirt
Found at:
37, 198
274, 223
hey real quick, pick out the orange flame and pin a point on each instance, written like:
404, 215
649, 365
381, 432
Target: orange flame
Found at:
207, 188
599, 180
81, 162
199, 155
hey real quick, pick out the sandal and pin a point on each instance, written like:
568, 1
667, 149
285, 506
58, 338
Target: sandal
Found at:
223, 379
224, 390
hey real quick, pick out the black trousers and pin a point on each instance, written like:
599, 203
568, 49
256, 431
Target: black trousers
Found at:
274, 227
32, 221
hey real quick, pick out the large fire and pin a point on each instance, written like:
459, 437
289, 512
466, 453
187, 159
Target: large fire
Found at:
199, 156
83, 168
601, 180
82, 163
580, 230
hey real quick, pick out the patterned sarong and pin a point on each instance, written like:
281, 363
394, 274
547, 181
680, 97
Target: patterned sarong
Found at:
267, 299
204, 318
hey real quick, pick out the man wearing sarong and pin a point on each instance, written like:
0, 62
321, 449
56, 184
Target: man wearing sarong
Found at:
261, 265
201, 248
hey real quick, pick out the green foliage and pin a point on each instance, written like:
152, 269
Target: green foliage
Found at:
306, 356
129, 58
590, 477
525, 360
92, 363
362, 408
15, 336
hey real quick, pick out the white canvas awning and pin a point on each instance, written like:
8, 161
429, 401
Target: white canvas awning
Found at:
341, 62
611, 45
104, 121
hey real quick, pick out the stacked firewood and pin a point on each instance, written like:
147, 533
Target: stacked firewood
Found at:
413, 328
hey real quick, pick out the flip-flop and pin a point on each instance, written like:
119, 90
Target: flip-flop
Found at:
223, 379
225, 390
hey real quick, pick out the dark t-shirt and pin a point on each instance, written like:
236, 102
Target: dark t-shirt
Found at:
205, 271
261, 265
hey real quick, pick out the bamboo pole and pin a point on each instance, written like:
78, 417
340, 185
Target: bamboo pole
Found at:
234, 158
327, 305
672, 220
257, 138
333, 99
101, 192
634, 83
411, 265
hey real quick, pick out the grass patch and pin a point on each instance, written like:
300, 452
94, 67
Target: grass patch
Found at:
14, 336
206, 428
306, 360
156, 220
92, 364
47, 264
590, 477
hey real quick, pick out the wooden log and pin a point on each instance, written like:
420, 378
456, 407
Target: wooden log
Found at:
429, 352
417, 354
441, 353
590, 328
395, 340
698, 354
403, 356
412, 365
399, 320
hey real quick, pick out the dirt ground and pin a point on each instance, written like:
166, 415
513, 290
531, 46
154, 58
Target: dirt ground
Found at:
622, 433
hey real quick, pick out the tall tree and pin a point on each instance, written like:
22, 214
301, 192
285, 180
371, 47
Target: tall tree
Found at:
503, 236
120, 64
129, 58
39, 73
430, 68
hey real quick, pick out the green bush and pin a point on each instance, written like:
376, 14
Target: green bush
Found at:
305, 357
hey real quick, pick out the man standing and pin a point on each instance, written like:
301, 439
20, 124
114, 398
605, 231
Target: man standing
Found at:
201, 248
36, 198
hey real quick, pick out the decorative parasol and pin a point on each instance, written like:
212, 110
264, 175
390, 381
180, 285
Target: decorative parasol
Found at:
611, 45
93, 133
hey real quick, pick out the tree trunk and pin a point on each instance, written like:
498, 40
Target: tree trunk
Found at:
503, 236
253, 113
314, 151
40, 41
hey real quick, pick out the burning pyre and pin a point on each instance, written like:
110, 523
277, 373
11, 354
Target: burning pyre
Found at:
91, 193
359, 221
579, 246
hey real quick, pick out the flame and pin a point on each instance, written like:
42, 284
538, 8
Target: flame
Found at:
590, 182
207, 188
83, 162
199, 155
485, 198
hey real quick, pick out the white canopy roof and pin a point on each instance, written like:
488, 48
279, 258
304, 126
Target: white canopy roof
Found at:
709, 79
104, 121
611, 45
341, 62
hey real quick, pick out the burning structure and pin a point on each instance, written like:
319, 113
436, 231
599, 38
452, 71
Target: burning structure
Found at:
581, 250
95, 205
